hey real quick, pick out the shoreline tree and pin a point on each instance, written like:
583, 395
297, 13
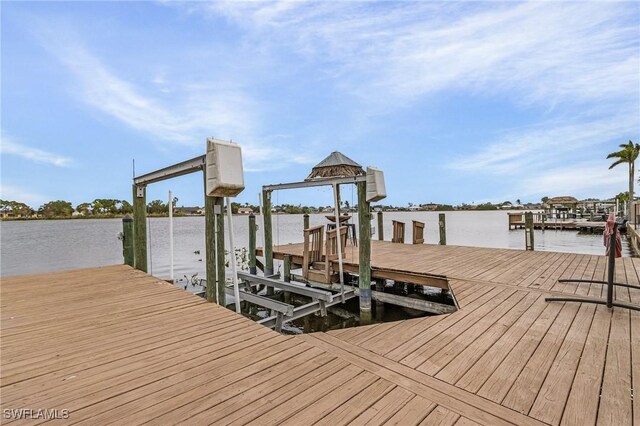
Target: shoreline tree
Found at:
628, 154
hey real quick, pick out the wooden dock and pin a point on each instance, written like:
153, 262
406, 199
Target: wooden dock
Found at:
114, 345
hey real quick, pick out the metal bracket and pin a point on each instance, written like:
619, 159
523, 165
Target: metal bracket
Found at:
140, 190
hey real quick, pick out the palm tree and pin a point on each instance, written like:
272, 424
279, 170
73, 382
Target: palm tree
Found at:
628, 154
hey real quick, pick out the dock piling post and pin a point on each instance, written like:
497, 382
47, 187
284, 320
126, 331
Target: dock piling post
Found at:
127, 240
221, 268
305, 221
380, 226
211, 292
252, 244
442, 225
210, 248
140, 227
268, 233
287, 277
364, 249
268, 237
544, 220
528, 231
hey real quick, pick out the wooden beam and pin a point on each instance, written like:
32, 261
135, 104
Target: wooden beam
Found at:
408, 302
411, 278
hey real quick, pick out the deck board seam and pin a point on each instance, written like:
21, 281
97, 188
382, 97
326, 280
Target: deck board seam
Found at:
438, 389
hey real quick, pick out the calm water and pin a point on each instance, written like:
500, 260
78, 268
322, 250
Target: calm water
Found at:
42, 246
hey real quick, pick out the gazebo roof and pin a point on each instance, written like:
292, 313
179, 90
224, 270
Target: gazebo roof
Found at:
565, 199
336, 164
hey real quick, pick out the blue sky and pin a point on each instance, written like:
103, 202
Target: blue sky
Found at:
455, 101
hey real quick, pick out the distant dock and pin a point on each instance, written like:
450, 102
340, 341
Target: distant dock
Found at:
116, 345
516, 221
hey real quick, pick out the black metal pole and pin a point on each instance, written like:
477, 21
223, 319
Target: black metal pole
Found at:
611, 265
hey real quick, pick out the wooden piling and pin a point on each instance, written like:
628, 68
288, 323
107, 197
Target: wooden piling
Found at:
364, 249
544, 220
380, 226
268, 236
140, 227
210, 245
220, 255
442, 226
528, 231
128, 240
305, 221
287, 277
252, 244
268, 233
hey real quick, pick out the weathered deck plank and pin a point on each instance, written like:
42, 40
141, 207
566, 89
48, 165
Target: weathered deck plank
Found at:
114, 345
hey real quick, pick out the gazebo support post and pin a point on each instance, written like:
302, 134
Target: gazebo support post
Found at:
268, 237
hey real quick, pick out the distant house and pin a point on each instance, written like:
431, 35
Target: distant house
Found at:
429, 207
190, 211
532, 206
245, 210
506, 206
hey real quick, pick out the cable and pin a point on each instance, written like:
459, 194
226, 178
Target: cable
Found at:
150, 251
277, 219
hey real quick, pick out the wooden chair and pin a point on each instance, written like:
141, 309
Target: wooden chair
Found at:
398, 232
313, 243
315, 265
418, 232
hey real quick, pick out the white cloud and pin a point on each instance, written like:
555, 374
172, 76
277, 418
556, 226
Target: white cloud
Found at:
392, 53
198, 109
582, 180
9, 147
23, 195
538, 147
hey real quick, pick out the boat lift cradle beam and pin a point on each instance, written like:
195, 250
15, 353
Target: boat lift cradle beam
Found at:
309, 308
316, 182
179, 169
313, 293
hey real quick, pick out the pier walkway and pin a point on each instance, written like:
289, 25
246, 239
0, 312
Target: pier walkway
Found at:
114, 345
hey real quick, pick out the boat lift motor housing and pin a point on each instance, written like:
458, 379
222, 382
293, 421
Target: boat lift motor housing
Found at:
376, 189
225, 175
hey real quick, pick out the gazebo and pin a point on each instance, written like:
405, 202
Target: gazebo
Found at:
559, 207
335, 170
335, 165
